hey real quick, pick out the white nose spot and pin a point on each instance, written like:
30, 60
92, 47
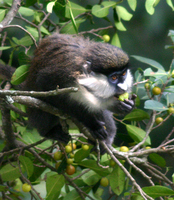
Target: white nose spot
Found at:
123, 86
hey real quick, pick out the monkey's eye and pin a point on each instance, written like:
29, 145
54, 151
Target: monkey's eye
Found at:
124, 73
114, 77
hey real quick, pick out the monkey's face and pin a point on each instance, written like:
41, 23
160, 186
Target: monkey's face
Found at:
103, 91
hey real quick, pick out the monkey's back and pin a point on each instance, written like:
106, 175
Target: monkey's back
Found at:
57, 61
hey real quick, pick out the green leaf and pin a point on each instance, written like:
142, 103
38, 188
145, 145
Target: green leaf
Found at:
149, 5
117, 180
30, 3
23, 58
132, 4
91, 164
8, 2
169, 2
26, 11
25, 41
137, 134
5, 48
69, 28
159, 160
20, 74
90, 178
30, 138
119, 25
44, 30
72, 18
158, 191
123, 13
9, 172
137, 115
81, 154
103, 9
150, 62
158, 74
74, 195
27, 165
75, 9
148, 72
2, 14
54, 184
154, 105
50, 6
33, 31
169, 89
59, 8
3, 188
116, 41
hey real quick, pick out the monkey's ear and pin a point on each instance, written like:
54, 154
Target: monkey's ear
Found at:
87, 68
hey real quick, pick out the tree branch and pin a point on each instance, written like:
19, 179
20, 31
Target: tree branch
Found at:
11, 14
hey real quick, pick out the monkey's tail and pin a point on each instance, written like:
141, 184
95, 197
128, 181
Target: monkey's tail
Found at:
6, 72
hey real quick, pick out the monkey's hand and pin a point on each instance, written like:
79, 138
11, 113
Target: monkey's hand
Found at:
100, 133
128, 104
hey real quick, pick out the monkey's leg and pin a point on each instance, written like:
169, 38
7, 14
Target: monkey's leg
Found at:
47, 125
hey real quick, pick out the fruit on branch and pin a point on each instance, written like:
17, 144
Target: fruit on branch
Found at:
68, 149
26, 187
124, 149
156, 90
70, 169
104, 182
106, 38
147, 85
69, 161
85, 147
58, 155
158, 120
171, 110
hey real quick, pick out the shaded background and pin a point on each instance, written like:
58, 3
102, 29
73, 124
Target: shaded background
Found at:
146, 36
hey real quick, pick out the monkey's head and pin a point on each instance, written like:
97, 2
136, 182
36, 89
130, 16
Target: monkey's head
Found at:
106, 76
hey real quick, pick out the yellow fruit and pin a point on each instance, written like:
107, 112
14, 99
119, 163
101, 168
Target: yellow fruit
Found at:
156, 90
68, 149
26, 187
147, 85
106, 38
69, 161
71, 155
147, 147
58, 155
124, 96
73, 145
85, 147
171, 110
104, 182
124, 149
158, 120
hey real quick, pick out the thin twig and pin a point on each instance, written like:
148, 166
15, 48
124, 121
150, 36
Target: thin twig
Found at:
143, 194
18, 26
11, 14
